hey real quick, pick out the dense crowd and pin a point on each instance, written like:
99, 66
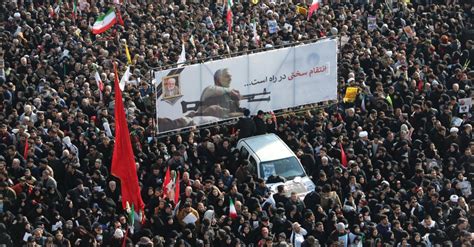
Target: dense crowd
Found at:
407, 138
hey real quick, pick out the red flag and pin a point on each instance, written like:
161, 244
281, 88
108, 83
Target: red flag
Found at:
343, 156
420, 85
123, 160
25, 152
166, 182
124, 242
177, 189
119, 18
314, 7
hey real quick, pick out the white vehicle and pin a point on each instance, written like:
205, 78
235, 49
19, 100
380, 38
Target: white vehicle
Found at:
270, 157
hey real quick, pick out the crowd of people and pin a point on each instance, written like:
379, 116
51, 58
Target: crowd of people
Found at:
407, 136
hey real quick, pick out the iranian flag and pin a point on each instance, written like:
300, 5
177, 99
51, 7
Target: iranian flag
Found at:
104, 22
125, 78
166, 183
55, 11
229, 15
256, 37
314, 7
98, 80
191, 40
74, 9
182, 56
232, 211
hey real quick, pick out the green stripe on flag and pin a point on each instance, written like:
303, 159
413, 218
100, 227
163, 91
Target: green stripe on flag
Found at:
131, 217
102, 17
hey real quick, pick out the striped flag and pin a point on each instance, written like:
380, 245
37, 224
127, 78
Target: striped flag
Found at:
166, 182
56, 10
191, 40
314, 7
98, 81
104, 22
227, 48
229, 15
74, 9
182, 56
125, 78
232, 211
256, 37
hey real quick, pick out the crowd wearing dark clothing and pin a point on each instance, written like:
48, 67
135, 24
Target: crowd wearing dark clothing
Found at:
407, 137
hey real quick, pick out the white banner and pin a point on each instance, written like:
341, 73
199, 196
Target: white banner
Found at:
272, 80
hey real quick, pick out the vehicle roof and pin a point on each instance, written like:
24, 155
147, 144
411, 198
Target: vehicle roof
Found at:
268, 147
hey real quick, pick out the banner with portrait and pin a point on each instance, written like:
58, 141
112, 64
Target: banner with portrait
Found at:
272, 80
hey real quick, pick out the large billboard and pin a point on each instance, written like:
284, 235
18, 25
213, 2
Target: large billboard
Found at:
218, 90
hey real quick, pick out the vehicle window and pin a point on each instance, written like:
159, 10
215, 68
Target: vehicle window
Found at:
244, 154
253, 165
288, 168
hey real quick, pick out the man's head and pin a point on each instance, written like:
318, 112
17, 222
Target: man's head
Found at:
187, 207
281, 189
246, 112
340, 227
294, 196
171, 83
222, 78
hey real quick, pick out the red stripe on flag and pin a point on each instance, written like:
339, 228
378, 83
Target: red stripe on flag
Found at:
105, 28
229, 19
313, 8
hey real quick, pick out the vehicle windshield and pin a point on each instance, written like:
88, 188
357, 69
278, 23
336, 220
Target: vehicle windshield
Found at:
288, 168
